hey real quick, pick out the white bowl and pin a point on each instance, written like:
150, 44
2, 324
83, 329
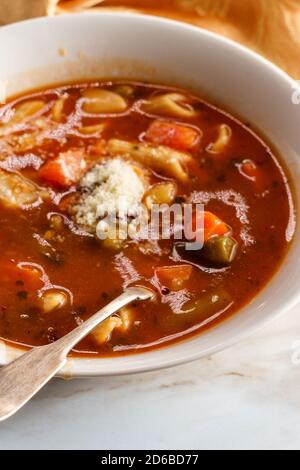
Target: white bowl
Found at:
50, 50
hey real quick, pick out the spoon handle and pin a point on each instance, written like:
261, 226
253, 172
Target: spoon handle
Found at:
23, 378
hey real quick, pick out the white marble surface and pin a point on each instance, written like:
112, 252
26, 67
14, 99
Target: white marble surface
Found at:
247, 397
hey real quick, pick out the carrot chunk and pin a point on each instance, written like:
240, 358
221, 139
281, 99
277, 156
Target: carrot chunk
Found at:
172, 135
214, 226
64, 170
206, 225
174, 277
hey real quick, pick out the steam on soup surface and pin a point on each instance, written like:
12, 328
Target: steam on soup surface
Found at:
70, 153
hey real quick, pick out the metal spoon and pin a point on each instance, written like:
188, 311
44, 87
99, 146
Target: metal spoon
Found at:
23, 378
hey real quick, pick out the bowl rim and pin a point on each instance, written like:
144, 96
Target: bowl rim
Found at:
152, 18
81, 366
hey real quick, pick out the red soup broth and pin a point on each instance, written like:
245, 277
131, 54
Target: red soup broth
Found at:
51, 138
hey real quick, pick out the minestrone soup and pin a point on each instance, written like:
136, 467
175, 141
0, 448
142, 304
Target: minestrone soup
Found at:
70, 154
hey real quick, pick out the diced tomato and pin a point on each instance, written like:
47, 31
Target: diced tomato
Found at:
64, 170
22, 274
172, 135
173, 277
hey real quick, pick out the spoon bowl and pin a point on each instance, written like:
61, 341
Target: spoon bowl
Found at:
24, 377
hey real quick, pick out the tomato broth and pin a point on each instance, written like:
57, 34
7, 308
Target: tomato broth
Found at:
55, 272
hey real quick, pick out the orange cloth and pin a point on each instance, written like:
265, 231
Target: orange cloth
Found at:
17, 10
271, 27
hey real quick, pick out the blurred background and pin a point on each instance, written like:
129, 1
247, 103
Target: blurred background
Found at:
271, 27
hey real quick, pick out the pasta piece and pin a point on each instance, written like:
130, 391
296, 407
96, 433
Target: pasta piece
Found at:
127, 91
26, 141
53, 300
123, 322
17, 191
27, 109
90, 130
22, 112
56, 222
224, 137
98, 101
126, 315
57, 110
162, 159
170, 104
161, 193
103, 332
113, 244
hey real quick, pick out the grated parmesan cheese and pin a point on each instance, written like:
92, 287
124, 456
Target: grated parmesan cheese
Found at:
112, 187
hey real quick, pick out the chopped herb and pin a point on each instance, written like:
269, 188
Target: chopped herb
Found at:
22, 294
221, 178
165, 291
54, 256
234, 161
105, 296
